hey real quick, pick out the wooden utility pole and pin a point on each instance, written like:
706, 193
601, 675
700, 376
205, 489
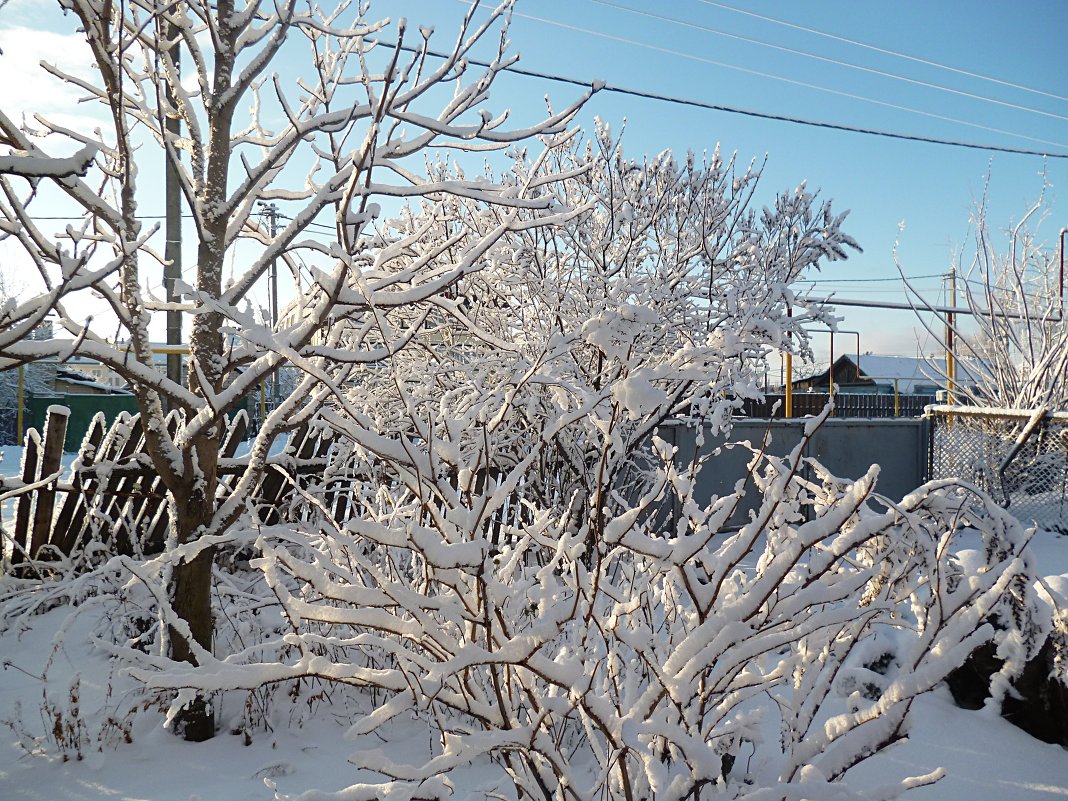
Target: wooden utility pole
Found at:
789, 383
172, 271
830, 374
270, 212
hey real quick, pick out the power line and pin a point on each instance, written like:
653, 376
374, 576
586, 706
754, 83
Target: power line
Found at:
855, 290
828, 60
884, 51
771, 76
871, 280
860, 292
681, 101
86, 215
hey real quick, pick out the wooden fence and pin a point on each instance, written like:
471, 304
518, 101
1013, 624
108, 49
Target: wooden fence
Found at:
113, 495
845, 405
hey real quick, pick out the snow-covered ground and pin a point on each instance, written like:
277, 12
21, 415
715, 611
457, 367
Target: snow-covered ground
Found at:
11, 459
983, 756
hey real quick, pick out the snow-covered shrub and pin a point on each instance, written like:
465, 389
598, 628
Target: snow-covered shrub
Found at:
649, 661
1015, 353
550, 366
521, 565
56, 620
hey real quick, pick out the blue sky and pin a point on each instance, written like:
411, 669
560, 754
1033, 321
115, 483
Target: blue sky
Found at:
917, 195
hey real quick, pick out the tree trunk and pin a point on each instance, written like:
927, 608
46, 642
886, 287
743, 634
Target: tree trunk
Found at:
192, 511
195, 500
192, 603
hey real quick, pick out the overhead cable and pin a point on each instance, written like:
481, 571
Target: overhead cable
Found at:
837, 62
884, 51
770, 76
682, 101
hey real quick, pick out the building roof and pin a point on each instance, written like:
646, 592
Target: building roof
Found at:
72, 379
159, 359
909, 372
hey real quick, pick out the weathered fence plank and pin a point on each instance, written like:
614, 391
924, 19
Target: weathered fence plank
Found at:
153, 519
274, 480
85, 512
118, 486
114, 496
51, 461
31, 455
69, 522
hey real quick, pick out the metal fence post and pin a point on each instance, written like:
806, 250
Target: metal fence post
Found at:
18, 403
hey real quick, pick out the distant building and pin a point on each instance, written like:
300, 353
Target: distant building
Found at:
75, 382
885, 375
104, 375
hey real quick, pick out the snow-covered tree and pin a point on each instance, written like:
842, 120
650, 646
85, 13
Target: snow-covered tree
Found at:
659, 299
626, 656
1013, 340
351, 125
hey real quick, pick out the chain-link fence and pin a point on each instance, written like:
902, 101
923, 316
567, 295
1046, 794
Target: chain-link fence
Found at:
1021, 460
9, 426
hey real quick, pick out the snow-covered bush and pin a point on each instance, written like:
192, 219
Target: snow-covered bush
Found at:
1013, 340
659, 298
502, 550
650, 660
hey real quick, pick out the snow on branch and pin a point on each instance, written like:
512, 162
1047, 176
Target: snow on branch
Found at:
1010, 341
26, 166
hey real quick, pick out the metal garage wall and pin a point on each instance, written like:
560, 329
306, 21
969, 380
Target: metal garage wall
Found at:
846, 447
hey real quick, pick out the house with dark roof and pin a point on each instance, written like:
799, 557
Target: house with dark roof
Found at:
76, 382
885, 375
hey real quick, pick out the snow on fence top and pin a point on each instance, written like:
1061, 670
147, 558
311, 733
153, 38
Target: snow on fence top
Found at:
991, 411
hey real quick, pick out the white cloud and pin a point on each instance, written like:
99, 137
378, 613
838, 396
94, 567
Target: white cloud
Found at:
27, 89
